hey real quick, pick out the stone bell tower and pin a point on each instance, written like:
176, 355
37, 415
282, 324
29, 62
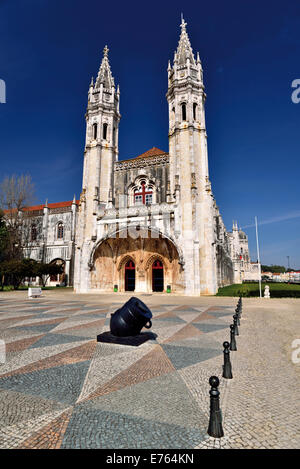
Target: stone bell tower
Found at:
100, 154
189, 178
101, 148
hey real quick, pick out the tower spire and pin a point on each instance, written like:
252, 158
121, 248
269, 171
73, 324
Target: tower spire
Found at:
184, 49
104, 75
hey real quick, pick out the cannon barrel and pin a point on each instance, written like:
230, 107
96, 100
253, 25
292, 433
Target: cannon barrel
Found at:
130, 318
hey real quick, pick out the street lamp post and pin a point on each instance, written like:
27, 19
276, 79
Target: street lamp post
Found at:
258, 258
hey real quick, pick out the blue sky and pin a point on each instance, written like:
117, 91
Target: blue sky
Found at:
250, 52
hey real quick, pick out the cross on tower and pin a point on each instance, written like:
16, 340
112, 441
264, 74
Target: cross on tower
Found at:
183, 23
141, 197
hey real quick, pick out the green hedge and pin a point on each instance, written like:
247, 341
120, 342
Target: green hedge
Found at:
277, 290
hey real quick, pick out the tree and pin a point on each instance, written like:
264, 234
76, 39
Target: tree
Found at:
4, 238
16, 193
276, 269
44, 271
15, 271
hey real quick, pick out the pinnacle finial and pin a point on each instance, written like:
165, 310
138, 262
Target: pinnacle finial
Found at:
105, 51
183, 23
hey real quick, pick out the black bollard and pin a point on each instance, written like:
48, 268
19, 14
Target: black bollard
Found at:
233, 346
236, 329
215, 418
238, 316
227, 370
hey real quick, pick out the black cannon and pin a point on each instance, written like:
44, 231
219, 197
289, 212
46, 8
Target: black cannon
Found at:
130, 318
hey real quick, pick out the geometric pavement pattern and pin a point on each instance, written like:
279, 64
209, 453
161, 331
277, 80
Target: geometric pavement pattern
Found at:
60, 388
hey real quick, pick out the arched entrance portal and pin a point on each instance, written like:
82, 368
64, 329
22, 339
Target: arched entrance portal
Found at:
130, 276
143, 265
157, 276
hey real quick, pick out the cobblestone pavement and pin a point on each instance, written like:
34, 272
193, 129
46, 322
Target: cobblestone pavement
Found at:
60, 388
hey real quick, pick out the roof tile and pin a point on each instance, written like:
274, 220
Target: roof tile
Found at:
53, 205
152, 152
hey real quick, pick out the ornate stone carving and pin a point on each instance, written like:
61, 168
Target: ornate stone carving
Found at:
141, 162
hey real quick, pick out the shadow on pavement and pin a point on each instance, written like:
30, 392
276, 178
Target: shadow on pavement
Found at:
135, 341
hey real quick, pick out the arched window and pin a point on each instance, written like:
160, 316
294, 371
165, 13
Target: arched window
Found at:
183, 111
173, 115
33, 233
143, 195
60, 231
195, 111
95, 131
104, 134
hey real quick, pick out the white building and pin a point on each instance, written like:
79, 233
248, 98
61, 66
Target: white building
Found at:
148, 223
49, 236
151, 223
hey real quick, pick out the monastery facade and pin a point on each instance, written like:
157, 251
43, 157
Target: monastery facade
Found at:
149, 223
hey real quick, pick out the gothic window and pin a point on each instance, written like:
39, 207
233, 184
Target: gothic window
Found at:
148, 198
33, 233
183, 111
173, 116
195, 111
143, 194
104, 135
241, 254
138, 199
95, 129
60, 231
